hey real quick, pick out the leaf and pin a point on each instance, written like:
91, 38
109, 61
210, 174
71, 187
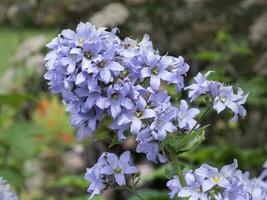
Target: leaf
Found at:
257, 88
170, 171
240, 50
70, 181
14, 177
114, 141
223, 37
212, 56
15, 99
192, 140
180, 143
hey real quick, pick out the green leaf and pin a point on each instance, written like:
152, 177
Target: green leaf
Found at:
114, 141
240, 50
15, 99
192, 140
169, 171
212, 56
180, 143
70, 181
14, 177
257, 88
223, 37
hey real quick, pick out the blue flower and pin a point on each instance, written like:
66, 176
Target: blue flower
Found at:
155, 68
94, 176
148, 145
212, 177
174, 185
118, 167
193, 190
116, 99
105, 67
108, 170
201, 86
185, 116
5, 191
136, 114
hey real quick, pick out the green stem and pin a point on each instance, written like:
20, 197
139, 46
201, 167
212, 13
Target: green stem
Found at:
200, 118
175, 161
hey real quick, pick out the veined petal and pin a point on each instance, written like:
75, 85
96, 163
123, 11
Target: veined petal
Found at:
125, 157
130, 170
120, 179
155, 82
114, 66
108, 170
145, 72
105, 75
149, 113
136, 126
207, 184
115, 110
185, 192
125, 119
112, 160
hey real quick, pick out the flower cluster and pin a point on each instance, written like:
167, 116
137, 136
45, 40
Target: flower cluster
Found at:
109, 170
229, 183
5, 191
223, 96
100, 75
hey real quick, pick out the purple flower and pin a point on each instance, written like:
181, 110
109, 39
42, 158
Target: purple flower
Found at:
105, 67
94, 176
148, 145
109, 169
136, 114
201, 86
90, 54
160, 128
5, 191
212, 177
193, 190
155, 68
185, 116
228, 183
174, 185
178, 67
225, 98
119, 167
240, 102
116, 99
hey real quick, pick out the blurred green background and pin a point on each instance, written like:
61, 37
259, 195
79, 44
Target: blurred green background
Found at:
39, 154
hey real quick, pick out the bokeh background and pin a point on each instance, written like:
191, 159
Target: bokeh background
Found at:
39, 154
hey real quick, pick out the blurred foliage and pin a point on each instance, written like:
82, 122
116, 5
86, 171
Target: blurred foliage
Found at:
57, 132
17, 146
